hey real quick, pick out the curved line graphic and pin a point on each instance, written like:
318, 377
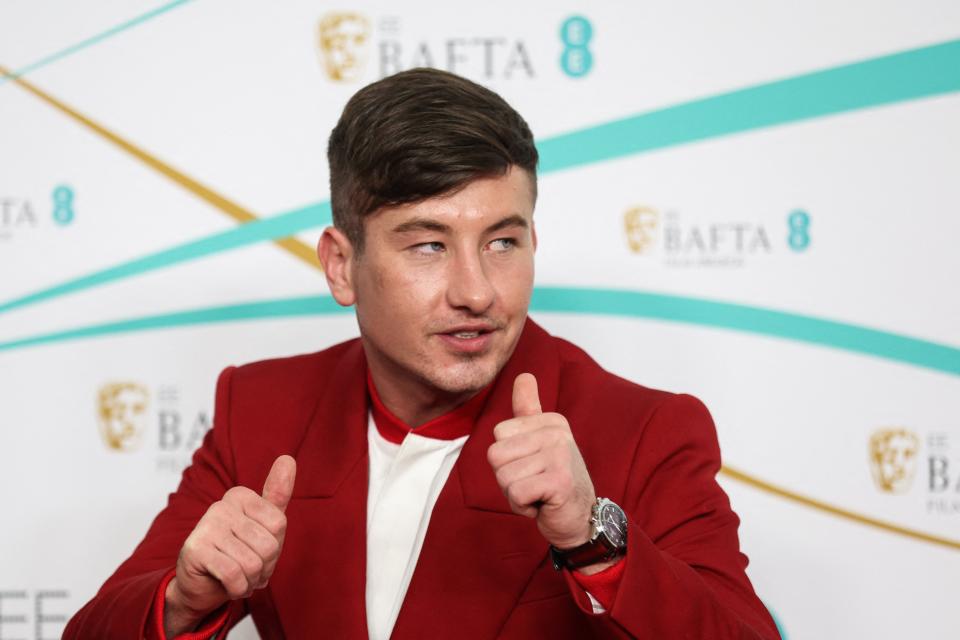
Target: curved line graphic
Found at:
609, 302
286, 308
908, 75
277, 226
898, 77
749, 319
762, 485
545, 299
92, 40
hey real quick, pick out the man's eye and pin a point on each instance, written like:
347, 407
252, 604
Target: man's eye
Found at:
428, 247
503, 244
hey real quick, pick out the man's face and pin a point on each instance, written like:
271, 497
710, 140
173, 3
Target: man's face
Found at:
443, 285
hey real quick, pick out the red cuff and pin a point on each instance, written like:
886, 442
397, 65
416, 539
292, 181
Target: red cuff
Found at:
156, 632
602, 585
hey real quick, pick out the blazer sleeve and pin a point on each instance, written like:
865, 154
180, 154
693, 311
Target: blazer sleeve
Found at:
684, 574
122, 606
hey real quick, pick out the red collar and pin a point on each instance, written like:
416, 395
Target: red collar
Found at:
451, 425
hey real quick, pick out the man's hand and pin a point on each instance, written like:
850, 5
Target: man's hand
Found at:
232, 550
540, 469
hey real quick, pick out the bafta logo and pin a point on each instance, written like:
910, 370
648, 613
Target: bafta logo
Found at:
893, 458
121, 408
640, 224
343, 45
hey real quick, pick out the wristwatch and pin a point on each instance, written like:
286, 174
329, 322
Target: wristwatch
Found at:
608, 538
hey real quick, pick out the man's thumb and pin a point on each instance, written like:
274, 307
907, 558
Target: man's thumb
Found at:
279, 484
526, 399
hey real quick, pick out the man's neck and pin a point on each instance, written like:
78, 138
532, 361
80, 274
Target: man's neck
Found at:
411, 400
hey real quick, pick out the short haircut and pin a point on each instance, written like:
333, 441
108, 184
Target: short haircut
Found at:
418, 134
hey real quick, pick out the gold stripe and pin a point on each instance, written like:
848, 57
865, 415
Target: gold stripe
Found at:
762, 485
232, 209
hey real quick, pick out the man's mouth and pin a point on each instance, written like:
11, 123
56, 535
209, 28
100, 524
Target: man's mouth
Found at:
468, 338
469, 331
466, 334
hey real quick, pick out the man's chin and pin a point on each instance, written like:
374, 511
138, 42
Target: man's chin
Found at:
462, 378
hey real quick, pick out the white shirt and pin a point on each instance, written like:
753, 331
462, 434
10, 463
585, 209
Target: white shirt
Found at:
405, 482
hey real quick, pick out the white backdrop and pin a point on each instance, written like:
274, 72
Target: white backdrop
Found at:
753, 202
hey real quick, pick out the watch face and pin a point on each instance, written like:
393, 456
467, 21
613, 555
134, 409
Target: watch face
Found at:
614, 524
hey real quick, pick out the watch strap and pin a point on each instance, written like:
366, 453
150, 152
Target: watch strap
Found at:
592, 552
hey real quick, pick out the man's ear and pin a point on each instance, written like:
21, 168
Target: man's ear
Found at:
336, 254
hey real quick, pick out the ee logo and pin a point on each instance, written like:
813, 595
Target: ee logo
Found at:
576, 59
63, 205
798, 223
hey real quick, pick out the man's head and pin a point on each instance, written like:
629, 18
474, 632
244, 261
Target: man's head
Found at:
418, 134
433, 185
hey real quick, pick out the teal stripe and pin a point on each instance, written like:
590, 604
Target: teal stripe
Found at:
753, 320
604, 302
882, 80
282, 225
100, 37
908, 75
293, 307
776, 621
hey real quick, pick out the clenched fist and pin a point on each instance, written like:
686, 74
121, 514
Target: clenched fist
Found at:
540, 469
232, 550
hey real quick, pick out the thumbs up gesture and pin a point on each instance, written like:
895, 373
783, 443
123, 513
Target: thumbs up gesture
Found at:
540, 469
232, 550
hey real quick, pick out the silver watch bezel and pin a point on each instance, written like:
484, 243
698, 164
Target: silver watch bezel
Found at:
598, 530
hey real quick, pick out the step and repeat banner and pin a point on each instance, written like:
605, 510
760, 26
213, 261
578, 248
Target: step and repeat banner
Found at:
754, 202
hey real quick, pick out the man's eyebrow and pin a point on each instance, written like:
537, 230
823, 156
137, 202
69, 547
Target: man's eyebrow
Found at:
421, 224
427, 224
516, 220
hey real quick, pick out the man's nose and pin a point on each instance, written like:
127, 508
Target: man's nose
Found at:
468, 286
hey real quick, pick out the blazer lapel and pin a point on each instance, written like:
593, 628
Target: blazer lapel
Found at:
478, 555
319, 579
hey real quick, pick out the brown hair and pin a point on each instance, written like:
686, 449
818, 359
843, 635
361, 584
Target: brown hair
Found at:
418, 134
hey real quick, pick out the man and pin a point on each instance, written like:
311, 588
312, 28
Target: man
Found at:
455, 471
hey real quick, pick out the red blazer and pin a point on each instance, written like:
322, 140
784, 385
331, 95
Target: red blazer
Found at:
484, 572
